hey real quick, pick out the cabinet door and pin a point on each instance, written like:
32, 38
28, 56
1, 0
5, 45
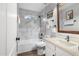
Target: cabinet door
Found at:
50, 49
11, 28
60, 52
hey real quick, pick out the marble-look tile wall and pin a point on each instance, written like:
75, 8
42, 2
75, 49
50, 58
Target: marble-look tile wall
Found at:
28, 31
44, 24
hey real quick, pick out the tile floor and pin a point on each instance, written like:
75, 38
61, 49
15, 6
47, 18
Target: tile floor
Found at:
31, 53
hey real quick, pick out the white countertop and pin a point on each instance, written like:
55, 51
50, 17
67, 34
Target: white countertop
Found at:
72, 49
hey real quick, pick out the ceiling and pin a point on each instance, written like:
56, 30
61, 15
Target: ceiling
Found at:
33, 6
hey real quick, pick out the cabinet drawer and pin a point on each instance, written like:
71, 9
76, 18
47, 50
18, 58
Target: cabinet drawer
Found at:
61, 52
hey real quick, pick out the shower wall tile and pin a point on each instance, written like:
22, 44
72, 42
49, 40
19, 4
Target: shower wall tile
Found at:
28, 31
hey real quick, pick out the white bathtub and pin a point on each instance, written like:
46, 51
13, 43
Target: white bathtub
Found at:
26, 45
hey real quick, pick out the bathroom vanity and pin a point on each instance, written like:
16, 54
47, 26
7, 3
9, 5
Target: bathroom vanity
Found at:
57, 47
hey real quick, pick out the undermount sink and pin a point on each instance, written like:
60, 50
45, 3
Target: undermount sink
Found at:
67, 44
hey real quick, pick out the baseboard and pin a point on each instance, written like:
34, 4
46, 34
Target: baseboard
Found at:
13, 51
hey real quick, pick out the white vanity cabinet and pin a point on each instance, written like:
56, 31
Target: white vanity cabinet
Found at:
61, 52
52, 50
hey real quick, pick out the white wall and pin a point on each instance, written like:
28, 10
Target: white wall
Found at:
11, 28
8, 28
3, 29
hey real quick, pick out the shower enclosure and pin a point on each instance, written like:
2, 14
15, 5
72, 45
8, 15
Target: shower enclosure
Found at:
28, 31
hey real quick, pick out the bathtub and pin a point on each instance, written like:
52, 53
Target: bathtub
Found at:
26, 45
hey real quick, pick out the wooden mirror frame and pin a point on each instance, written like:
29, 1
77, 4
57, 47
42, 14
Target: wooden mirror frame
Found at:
58, 24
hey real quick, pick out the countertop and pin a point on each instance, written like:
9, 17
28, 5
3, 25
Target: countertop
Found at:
73, 50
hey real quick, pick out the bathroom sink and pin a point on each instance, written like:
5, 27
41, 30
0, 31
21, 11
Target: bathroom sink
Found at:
68, 44
65, 43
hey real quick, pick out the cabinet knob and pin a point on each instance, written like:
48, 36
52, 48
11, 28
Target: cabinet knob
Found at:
17, 38
53, 55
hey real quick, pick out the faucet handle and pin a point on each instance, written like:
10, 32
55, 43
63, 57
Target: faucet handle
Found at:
78, 47
67, 38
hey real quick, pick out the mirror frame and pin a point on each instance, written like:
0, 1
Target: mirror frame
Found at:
58, 24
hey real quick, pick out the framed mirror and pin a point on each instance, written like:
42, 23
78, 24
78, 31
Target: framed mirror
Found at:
68, 18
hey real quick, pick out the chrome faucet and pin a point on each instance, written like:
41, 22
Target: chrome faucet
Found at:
67, 38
